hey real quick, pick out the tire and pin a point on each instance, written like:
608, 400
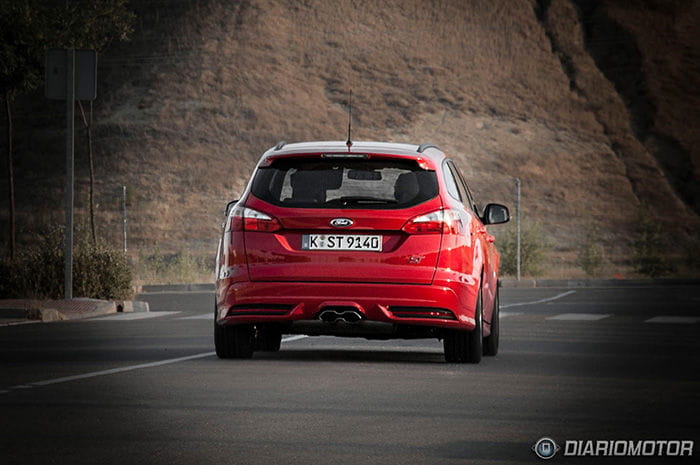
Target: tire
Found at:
491, 341
476, 336
221, 342
234, 341
465, 346
456, 345
268, 338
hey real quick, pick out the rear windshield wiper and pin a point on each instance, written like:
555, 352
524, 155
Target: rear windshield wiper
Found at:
361, 200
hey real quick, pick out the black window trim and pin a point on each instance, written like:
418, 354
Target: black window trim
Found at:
446, 171
470, 203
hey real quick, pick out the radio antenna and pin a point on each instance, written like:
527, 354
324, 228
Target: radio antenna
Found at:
349, 141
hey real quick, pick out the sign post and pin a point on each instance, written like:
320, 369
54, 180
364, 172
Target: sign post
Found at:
70, 152
517, 227
70, 74
124, 217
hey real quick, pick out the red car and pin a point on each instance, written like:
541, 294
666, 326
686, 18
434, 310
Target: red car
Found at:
364, 239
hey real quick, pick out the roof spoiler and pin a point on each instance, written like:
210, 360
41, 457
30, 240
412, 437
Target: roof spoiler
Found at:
423, 147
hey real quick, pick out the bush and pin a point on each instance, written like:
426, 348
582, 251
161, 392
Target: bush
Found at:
691, 252
532, 246
650, 248
38, 271
101, 273
590, 257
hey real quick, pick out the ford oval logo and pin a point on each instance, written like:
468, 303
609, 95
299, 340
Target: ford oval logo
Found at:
341, 222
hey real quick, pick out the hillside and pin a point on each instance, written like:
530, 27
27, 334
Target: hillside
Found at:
593, 105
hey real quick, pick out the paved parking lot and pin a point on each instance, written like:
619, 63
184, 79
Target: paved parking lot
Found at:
575, 364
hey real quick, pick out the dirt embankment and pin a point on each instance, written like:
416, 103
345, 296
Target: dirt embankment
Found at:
593, 105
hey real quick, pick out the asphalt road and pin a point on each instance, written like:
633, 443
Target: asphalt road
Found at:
146, 388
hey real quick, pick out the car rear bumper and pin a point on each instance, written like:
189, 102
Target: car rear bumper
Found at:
448, 305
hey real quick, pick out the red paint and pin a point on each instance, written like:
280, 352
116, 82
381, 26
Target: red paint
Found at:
436, 254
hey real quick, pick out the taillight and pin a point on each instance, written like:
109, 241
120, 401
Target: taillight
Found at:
243, 218
439, 221
254, 220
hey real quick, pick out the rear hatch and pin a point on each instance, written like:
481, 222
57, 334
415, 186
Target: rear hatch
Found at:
341, 218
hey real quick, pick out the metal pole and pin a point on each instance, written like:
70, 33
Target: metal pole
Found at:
70, 119
124, 217
517, 226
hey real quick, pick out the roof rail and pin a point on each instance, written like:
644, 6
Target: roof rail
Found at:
423, 147
279, 145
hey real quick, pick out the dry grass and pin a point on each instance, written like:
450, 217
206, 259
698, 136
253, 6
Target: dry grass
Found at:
152, 266
207, 86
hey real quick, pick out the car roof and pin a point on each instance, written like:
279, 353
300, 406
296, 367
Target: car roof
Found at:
428, 151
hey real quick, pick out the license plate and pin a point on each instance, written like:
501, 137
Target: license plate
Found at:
371, 243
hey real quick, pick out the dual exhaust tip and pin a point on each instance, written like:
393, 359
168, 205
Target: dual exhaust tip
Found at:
338, 315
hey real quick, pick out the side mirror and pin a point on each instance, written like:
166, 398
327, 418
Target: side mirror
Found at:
229, 206
495, 213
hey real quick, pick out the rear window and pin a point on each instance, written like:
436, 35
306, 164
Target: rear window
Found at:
345, 183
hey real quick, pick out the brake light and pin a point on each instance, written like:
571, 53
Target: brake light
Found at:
423, 164
439, 221
243, 218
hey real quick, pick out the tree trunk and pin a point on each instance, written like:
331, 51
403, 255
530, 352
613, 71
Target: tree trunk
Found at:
88, 126
10, 174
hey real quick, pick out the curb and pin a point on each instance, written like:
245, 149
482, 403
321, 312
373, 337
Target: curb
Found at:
201, 287
129, 306
583, 283
21, 311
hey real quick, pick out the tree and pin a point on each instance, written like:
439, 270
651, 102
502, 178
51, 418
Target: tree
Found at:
27, 29
22, 30
92, 24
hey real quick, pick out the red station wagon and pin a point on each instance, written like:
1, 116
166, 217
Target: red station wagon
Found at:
363, 239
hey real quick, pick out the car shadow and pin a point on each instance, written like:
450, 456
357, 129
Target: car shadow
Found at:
350, 355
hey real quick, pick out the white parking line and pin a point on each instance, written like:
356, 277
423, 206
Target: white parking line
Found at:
549, 299
673, 319
203, 316
134, 316
504, 314
119, 370
112, 371
578, 317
